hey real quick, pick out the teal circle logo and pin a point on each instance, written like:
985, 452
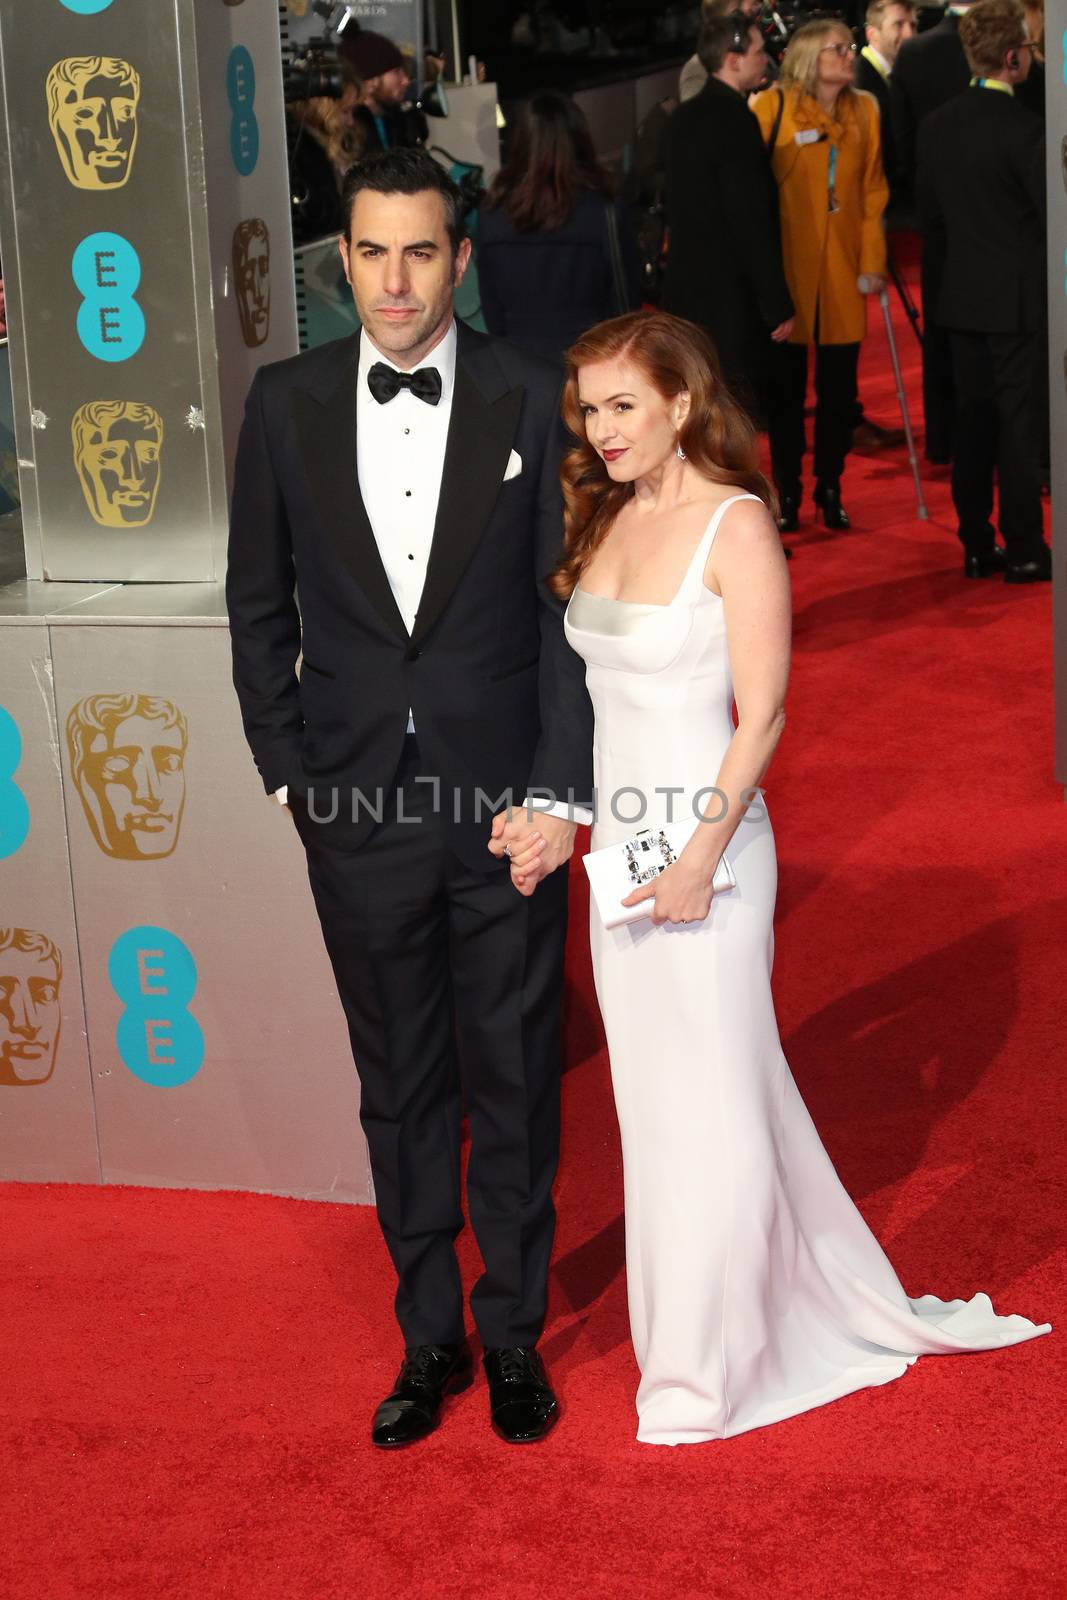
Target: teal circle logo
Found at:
86, 8
241, 93
14, 807
154, 975
107, 271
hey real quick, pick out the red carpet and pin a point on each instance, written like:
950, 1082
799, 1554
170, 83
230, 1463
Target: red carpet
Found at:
189, 1378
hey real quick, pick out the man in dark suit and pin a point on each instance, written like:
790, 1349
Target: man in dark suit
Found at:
724, 268
981, 191
407, 480
889, 25
929, 70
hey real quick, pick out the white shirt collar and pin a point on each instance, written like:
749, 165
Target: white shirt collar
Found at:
442, 356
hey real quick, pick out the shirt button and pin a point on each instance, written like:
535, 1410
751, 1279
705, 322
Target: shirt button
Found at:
407, 430
407, 493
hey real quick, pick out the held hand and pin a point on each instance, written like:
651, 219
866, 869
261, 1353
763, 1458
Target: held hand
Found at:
680, 894
534, 851
783, 330
870, 283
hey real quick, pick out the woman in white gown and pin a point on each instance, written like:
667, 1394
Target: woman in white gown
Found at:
756, 1290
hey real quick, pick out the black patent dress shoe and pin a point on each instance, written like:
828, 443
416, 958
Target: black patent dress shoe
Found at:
427, 1374
1037, 570
828, 499
521, 1402
984, 563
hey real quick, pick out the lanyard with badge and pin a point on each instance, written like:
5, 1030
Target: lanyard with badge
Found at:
810, 136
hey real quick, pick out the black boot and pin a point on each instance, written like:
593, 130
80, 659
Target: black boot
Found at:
789, 508
828, 498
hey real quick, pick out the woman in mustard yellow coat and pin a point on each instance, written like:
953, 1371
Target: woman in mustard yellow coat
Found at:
825, 144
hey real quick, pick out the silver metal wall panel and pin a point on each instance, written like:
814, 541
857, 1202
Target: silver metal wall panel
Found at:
219, 1050
47, 1120
124, 125
1056, 130
244, 241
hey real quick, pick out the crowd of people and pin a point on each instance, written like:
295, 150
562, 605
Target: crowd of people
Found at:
784, 185
937, 131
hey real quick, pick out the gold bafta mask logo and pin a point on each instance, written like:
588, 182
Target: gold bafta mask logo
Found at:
117, 444
31, 971
251, 277
92, 110
127, 759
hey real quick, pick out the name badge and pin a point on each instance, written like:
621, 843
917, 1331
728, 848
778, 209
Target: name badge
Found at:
807, 136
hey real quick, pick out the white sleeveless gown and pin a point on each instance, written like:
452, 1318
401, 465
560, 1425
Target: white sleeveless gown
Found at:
756, 1290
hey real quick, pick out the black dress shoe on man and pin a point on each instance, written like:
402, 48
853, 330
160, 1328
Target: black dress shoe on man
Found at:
521, 1402
428, 1373
828, 498
984, 563
1037, 570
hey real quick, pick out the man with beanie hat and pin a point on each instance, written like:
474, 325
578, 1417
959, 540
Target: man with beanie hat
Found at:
381, 113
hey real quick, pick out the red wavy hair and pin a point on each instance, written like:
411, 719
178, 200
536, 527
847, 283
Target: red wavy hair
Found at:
675, 356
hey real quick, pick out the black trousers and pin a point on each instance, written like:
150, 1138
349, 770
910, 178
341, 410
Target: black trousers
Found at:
938, 388
835, 410
451, 983
997, 431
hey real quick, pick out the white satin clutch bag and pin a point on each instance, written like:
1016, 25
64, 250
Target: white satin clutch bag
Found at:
618, 869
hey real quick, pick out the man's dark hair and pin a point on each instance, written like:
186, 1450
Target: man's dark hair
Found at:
724, 36
404, 171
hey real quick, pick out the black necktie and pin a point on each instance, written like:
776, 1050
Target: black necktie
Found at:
385, 383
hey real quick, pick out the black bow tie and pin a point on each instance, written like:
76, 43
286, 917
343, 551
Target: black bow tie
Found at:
385, 383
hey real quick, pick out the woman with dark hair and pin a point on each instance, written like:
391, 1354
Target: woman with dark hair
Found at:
756, 1289
555, 249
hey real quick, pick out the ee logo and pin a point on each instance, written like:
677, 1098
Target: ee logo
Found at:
14, 811
241, 93
154, 976
107, 271
86, 8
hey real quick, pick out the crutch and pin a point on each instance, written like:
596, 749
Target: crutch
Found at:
905, 417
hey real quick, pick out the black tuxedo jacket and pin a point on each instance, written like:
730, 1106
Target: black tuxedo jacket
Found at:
724, 268
930, 69
498, 696
981, 194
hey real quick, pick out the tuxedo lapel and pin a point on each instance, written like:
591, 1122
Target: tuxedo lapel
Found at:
481, 430
325, 417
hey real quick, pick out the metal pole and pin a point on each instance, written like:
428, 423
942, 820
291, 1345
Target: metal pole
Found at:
922, 513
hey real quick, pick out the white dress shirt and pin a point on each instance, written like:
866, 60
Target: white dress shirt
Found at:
400, 458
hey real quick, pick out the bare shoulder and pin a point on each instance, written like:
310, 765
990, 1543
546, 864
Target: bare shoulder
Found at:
747, 540
746, 525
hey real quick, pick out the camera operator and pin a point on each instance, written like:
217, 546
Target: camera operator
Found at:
323, 142
694, 73
981, 193
385, 118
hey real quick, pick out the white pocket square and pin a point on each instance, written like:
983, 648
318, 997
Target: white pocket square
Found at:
514, 466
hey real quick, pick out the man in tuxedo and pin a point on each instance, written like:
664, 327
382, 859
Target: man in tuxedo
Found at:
929, 70
407, 480
724, 269
981, 191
